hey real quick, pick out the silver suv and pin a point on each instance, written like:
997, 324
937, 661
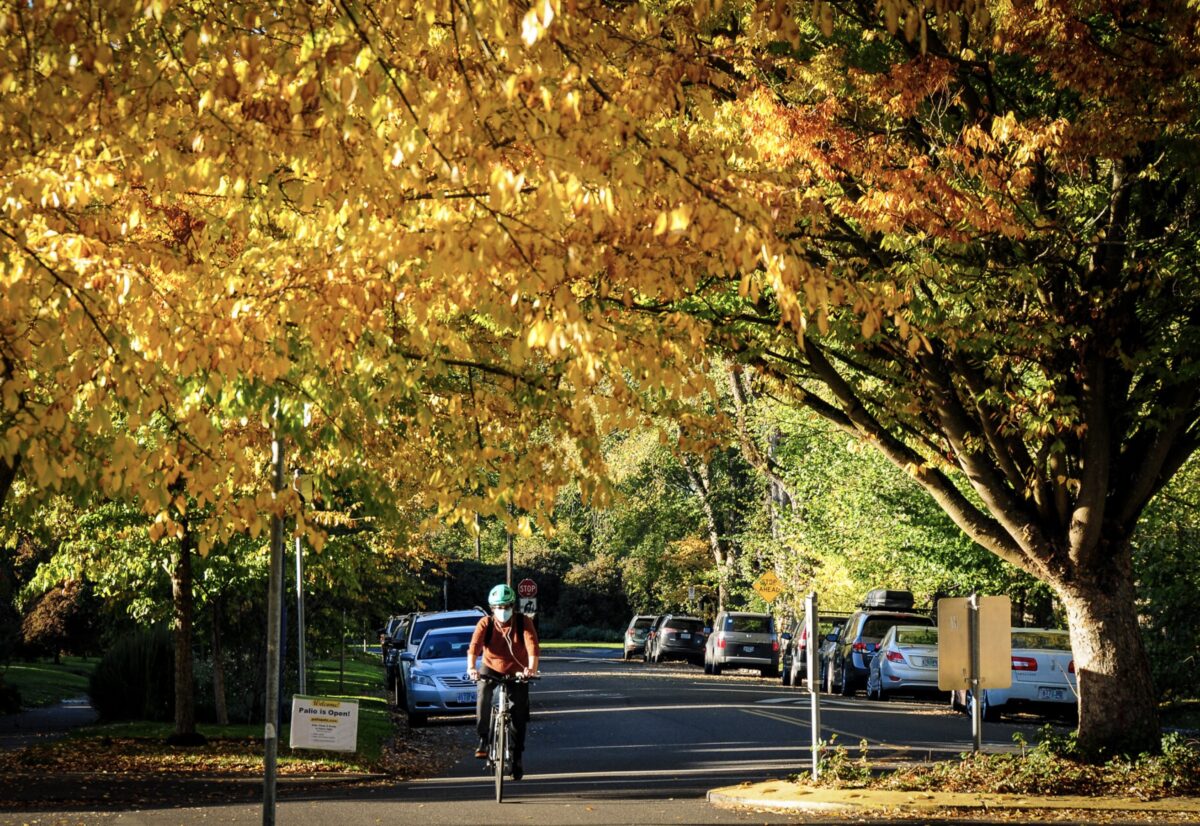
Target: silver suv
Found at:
741, 639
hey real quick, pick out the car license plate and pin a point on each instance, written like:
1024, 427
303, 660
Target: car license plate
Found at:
467, 697
684, 635
1051, 693
927, 662
747, 649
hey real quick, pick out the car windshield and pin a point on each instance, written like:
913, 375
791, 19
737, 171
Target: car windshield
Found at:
1046, 640
875, 627
748, 624
444, 646
685, 625
424, 626
916, 636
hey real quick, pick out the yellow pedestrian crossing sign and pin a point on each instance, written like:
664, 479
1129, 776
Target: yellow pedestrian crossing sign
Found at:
768, 586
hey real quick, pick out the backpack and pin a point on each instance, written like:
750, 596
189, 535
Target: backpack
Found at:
518, 627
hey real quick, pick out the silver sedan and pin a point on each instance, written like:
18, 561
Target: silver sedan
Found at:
907, 661
438, 681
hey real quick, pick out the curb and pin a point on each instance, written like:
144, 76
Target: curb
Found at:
785, 796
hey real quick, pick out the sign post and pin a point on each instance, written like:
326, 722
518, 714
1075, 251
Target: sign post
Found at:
812, 628
974, 650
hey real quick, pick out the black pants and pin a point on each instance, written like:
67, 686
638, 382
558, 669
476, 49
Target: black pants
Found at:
519, 693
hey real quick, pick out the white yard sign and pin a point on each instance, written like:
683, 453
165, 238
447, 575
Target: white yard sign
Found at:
322, 723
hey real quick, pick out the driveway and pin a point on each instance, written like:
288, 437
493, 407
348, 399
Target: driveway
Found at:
39, 725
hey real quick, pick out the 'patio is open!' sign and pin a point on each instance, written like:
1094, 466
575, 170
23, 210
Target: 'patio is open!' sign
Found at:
324, 723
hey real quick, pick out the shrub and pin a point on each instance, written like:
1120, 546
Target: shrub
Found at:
135, 680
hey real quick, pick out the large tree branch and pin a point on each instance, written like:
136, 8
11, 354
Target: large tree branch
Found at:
980, 527
761, 462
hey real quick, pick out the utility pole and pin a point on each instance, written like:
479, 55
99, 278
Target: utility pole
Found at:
274, 610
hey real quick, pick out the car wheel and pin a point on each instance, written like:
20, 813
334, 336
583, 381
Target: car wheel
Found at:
716, 669
707, 667
415, 719
787, 676
625, 656
847, 686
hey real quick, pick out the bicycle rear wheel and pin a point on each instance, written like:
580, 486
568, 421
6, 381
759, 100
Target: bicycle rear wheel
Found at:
500, 746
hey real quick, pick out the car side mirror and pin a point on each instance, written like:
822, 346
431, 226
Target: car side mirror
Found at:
407, 657
787, 635
832, 637
707, 630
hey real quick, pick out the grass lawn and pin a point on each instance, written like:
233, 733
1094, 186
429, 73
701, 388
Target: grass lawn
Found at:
141, 744
46, 683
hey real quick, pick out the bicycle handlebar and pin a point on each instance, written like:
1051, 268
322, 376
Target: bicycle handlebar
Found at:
510, 678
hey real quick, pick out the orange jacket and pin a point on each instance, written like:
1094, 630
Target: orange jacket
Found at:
498, 658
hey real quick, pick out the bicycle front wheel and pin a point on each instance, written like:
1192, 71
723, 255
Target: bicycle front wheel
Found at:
500, 742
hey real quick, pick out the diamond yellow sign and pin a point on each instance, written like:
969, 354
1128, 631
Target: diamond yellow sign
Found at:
768, 586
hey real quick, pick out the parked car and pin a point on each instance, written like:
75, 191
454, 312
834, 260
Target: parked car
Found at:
741, 639
420, 625
678, 637
651, 632
393, 645
635, 634
437, 679
1043, 678
859, 640
825, 655
907, 662
793, 656
388, 631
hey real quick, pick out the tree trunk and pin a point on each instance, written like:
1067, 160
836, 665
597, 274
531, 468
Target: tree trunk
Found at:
181, 597
698, 480
8, 472
1118, 710
218, 666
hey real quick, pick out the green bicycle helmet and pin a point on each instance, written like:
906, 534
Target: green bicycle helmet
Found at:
501, 595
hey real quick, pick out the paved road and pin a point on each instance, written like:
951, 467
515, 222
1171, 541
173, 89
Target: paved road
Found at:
620, 743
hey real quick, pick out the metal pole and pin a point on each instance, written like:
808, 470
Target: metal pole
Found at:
508, 532
342, 661
300, 652
274, 606
300, 617
977, 700
812, 629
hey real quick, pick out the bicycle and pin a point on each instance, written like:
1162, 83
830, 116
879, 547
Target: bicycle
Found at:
500, 757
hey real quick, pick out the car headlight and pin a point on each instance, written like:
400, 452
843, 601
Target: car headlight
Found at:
422, 679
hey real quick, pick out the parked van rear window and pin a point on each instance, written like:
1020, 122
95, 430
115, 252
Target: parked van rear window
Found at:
685, 625
748, 624
876, 626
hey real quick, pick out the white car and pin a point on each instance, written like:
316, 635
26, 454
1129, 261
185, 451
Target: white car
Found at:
1043, 676
437, 679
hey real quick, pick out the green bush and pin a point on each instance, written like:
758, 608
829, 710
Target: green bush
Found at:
135, 680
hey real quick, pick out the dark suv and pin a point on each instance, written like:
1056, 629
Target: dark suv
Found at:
678, 637
859, 642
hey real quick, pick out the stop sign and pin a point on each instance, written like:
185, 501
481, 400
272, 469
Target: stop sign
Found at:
527, 588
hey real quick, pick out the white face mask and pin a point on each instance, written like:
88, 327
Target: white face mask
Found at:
502, 614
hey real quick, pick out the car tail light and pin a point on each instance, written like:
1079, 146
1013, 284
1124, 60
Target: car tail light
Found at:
859, 646
1071, 667
774, 643
1024, 664
721, 640
895, 656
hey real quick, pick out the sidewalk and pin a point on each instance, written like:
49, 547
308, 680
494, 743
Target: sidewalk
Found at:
787, 796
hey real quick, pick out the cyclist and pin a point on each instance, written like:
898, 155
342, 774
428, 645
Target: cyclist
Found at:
509, 645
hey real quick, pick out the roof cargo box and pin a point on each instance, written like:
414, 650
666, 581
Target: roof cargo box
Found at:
890, 600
